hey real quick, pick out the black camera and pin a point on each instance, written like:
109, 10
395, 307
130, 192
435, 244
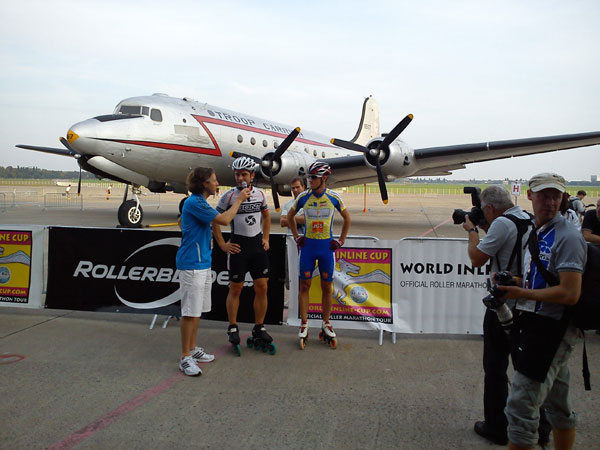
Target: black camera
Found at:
495, 301
476, 214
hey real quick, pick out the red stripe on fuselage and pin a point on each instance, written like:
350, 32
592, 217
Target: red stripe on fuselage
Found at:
182, 148
240, 126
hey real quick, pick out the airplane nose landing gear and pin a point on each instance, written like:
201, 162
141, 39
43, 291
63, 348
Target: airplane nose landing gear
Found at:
130, 212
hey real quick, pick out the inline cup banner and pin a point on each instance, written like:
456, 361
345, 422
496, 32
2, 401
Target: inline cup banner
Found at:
21, 255
362, 286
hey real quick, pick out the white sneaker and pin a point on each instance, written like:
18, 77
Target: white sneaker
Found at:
199, 355
188, 366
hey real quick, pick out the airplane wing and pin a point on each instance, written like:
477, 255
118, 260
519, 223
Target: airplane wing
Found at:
441, 160
54, 151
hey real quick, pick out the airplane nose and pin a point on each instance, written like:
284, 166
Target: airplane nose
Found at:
79, 135
72, 136
86, 129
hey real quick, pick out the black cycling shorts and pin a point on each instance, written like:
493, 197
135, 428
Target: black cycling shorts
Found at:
252, 258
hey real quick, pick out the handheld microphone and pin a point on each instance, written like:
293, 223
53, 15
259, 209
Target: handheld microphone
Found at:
243, 186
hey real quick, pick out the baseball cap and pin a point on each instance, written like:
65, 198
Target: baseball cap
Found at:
547, 180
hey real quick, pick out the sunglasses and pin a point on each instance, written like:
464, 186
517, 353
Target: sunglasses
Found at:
315, 177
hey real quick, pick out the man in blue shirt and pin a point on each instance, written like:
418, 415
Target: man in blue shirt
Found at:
545, 334
194, 259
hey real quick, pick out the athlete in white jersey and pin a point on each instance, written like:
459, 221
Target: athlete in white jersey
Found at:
248, 220
246, 252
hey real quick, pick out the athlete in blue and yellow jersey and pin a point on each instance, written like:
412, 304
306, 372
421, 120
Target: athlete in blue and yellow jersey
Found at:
317, 246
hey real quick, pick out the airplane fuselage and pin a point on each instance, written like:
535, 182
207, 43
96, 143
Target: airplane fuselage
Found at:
160, 139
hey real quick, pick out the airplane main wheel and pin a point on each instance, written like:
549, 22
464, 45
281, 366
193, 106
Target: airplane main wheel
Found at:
130, 215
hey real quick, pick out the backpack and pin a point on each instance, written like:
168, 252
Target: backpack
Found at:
523, 226
571, 203
586, 312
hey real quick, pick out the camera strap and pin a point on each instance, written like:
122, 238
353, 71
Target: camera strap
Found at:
522, 225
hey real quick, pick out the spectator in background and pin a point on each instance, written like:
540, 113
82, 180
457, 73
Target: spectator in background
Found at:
591, 225
568, 213
297, 186
576, 203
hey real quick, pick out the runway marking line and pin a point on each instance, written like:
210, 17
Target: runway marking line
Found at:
436, 227
9, 358
107, 419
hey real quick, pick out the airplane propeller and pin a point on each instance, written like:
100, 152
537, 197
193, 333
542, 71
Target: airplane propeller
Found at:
272, 161
64, 142
378, 151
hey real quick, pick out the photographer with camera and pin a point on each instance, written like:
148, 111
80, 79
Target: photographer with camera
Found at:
504, 224
545, 335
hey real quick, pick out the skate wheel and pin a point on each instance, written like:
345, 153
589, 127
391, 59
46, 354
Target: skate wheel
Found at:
320, 335
264, 349
302, 343
333, 343
238, 349
272, 349
249, 342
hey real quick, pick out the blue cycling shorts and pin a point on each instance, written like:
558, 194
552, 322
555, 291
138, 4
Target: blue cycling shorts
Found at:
317, 251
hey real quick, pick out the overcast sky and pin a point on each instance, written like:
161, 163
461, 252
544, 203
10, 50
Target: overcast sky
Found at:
469, 71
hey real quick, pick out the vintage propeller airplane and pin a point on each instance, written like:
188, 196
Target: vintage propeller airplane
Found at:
154, 141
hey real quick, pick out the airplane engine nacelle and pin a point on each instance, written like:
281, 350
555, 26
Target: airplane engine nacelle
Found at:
109, 167
396, 162
291, 164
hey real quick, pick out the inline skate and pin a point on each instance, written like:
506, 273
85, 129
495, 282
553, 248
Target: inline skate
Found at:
327, 335
261, 340
234, 338
303, 334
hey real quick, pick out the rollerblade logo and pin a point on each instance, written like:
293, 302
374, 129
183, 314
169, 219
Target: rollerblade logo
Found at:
151, 280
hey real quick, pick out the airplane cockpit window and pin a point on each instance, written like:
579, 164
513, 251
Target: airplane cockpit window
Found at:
156, 115
145, 111
127, 109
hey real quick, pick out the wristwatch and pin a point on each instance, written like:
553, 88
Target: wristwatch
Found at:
473, 229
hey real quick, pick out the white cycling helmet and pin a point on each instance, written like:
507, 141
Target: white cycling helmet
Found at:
244, 163
318, 169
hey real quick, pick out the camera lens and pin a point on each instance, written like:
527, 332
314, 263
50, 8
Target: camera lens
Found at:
458, 216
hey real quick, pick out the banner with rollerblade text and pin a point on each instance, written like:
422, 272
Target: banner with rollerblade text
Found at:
415, 285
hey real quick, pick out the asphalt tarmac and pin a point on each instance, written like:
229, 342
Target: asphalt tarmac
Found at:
71, 379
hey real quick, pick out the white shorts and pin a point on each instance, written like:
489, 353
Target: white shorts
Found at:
195, 286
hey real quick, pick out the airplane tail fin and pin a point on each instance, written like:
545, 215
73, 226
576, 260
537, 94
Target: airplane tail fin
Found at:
368, 128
